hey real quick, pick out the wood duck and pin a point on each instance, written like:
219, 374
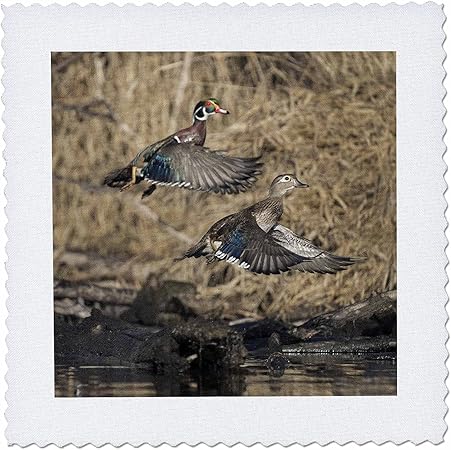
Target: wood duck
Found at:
195, 134
254, 240
194, 167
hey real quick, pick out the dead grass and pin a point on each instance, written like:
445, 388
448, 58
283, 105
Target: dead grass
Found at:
328, 117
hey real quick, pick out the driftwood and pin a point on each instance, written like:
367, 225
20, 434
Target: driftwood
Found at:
165, 304
92, 293
74, 308
367, 327
76, 299
377, 344
372, 317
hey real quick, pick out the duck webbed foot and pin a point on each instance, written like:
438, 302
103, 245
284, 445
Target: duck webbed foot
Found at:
211, 259
148, 191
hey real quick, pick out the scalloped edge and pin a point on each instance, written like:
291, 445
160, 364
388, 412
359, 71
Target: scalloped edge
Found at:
242, 4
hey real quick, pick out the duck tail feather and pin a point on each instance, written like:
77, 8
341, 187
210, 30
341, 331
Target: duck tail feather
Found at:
118, 178
194, 252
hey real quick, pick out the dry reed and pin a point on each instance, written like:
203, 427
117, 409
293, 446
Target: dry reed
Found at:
328, 117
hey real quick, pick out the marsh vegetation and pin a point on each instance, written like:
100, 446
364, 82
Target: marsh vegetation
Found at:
328, 117
130, 321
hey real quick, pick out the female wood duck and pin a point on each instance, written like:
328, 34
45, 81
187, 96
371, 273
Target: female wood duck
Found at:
195, 134
254, 240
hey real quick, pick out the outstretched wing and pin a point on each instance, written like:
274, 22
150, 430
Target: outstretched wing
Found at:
314, 258
251, 248
145, 155
193, 167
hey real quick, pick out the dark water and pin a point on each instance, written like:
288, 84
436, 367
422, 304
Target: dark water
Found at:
304, 375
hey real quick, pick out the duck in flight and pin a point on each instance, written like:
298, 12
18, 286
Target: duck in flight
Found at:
180, 160
254, 240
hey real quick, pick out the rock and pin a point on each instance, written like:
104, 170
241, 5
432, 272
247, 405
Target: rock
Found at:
210, 344
276, 364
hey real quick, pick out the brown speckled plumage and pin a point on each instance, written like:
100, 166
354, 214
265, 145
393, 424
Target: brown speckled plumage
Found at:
254, 240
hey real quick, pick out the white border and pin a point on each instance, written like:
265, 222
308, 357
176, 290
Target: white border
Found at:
416, 414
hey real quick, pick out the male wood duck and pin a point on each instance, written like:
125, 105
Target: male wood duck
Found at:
195, 134
254, 240
194, 167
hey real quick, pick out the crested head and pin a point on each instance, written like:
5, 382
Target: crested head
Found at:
206, 108
285, 183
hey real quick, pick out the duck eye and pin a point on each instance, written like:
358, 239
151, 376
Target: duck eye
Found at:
286, 178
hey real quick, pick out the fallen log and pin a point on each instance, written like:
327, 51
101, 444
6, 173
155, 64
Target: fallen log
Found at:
372, 317
367, 327
89, 292
71, 308
378, 344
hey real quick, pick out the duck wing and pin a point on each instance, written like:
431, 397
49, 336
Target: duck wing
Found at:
120, 177
146, 153
247, 245
315, 260
193, 167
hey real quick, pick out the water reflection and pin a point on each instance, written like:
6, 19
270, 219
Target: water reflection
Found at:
303, 375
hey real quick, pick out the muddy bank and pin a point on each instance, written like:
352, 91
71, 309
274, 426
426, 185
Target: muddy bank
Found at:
103, 340
160, 330
197, 344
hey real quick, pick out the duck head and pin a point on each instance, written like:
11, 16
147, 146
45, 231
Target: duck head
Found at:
285, 183
206, 108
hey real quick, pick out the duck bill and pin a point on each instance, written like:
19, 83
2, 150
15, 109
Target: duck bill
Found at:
221, 111
300, 184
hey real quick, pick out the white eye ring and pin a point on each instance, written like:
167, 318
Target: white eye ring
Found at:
286, 178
